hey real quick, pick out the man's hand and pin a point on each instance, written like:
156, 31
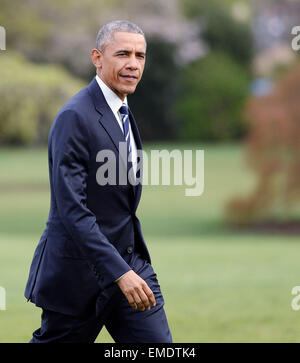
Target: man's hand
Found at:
136, 291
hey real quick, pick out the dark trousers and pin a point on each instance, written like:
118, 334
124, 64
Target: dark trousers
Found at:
124, 324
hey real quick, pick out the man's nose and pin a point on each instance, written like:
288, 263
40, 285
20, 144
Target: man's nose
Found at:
132, 63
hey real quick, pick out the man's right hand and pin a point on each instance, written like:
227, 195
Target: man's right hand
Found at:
136, 291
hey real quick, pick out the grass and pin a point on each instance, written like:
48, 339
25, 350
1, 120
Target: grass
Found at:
219, 285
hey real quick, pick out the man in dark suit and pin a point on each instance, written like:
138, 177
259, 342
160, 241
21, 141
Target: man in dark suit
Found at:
91, 267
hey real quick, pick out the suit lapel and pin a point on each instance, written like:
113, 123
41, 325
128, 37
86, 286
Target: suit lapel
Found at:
107, 118
108, 121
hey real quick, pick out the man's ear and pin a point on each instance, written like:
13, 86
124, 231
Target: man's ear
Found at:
96, 56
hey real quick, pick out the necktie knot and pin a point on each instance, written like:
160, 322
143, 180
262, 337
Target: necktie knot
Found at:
124, 110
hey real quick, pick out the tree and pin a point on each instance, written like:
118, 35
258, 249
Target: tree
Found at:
273, 152
212, 97
220, 30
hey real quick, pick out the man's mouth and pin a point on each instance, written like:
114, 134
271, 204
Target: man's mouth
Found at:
129, 77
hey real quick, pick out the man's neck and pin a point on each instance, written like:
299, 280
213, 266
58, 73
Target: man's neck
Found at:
122, 97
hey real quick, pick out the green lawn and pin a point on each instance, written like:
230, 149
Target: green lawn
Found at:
218, 285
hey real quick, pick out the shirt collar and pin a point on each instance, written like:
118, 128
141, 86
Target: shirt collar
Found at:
113, 101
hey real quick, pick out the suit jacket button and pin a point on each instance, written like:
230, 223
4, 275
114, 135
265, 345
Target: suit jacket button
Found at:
129, 249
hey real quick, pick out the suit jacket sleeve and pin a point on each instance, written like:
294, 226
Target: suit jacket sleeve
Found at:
69, 151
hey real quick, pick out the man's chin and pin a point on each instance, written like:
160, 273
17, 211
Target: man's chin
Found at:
129, 90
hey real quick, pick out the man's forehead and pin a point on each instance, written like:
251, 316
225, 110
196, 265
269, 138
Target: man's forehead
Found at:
128, 39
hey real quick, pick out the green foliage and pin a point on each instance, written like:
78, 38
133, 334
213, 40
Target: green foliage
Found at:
221, 31
25, 26
213, 93
64, 32
31, 95
56, 31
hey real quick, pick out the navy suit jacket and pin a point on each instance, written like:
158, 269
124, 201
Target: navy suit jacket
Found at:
91, 229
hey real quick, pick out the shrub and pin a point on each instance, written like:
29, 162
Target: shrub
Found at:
31, 95
213, 94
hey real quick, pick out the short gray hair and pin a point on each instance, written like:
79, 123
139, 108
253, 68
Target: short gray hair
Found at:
106, 33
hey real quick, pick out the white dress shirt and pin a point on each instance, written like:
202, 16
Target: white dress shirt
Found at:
115, 103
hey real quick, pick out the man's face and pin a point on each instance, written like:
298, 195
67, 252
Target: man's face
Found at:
122, 62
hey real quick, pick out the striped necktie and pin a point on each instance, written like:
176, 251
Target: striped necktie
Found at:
125, 119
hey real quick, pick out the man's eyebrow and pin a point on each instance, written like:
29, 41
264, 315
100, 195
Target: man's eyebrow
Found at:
122, 51
129, 51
